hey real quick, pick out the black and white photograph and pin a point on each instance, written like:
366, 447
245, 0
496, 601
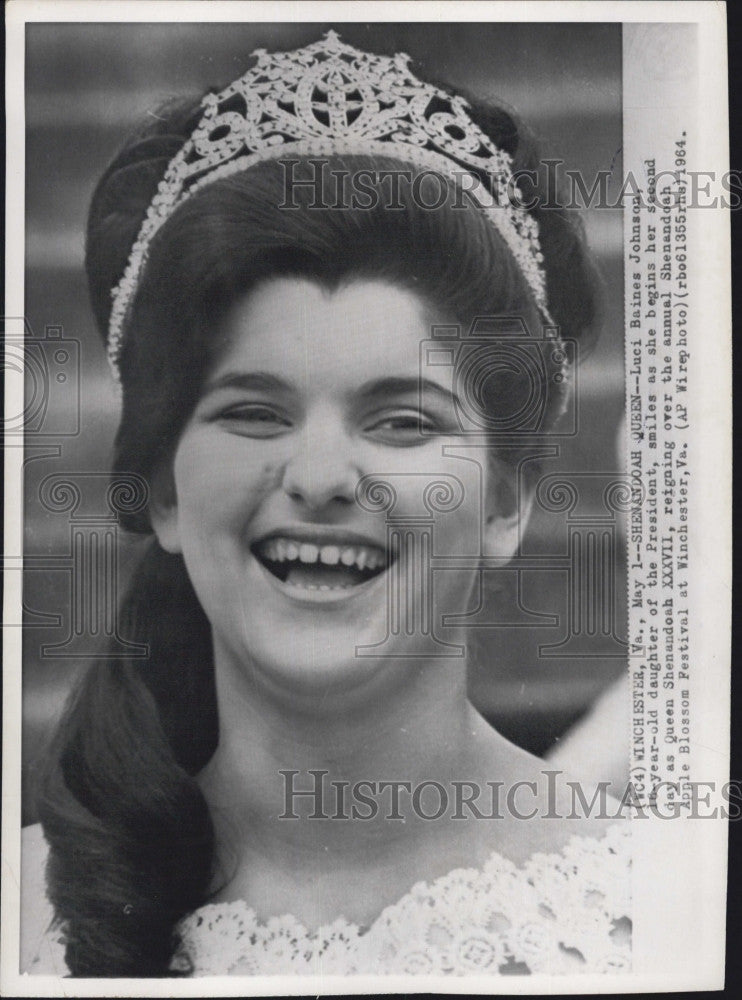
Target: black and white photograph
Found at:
355, 608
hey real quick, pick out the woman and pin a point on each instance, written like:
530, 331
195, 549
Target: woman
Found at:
280, 257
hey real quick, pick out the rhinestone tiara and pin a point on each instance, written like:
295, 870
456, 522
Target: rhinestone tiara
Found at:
320, 100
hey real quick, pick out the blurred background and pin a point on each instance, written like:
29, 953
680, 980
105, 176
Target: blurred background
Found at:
87, 87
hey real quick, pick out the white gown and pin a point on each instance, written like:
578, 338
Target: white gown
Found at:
566, 912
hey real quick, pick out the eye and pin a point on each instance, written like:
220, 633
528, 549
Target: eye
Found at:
403, 428
255, 419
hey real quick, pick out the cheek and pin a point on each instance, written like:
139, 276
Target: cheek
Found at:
218, 480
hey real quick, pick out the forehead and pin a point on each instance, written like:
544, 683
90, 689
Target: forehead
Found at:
300, 329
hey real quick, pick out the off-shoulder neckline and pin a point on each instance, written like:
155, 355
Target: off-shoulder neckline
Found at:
574, 850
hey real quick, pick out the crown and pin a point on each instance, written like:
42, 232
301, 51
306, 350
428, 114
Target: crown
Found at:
320, 100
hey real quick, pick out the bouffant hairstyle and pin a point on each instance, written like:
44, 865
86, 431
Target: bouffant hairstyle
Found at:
131, 839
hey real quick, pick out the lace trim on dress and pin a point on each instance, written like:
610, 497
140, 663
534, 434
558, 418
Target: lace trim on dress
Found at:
558, 913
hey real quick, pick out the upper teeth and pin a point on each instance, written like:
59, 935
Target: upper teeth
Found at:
362, 556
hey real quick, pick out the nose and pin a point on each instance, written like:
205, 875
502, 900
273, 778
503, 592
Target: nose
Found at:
322, 468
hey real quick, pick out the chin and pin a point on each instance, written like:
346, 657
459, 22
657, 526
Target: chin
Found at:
300, 623
323, 675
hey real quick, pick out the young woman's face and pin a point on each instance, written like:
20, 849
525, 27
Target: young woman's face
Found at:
313, 392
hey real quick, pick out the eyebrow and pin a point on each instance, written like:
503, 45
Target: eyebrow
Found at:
248, 380
399, 386
390, 386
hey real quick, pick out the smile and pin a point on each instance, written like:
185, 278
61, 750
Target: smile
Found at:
312, 565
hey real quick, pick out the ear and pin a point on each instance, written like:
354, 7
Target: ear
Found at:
508, 511
163, 509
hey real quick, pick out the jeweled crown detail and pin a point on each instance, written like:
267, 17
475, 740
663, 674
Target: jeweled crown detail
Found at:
322, 99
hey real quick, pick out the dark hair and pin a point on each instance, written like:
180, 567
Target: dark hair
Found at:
129, 830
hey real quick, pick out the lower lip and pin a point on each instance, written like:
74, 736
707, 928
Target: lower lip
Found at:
303, 595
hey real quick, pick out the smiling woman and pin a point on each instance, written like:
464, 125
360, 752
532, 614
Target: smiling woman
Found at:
291, 395
312, 390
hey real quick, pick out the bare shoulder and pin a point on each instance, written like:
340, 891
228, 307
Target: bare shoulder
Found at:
40, 950
543, 807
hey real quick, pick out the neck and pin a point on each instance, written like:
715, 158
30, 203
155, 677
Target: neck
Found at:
417, 725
